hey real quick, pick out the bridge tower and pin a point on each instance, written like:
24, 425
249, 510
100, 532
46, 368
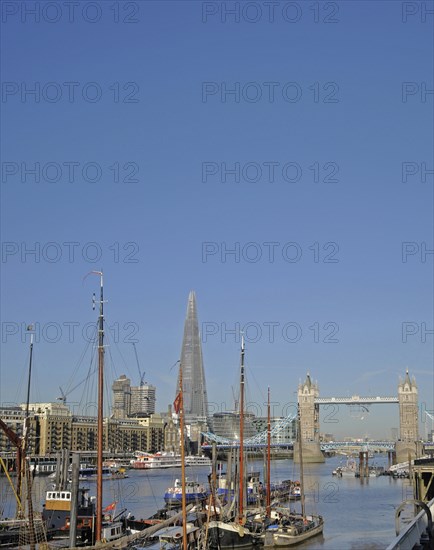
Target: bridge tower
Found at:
408, 444
309, 421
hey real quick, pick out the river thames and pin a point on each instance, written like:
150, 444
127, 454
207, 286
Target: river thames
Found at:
359, 514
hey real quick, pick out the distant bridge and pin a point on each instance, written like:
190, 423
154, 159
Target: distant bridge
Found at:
227, 444
236, 444
354, 400
331, 446
363, 445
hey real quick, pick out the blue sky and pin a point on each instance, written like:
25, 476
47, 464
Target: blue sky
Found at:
131, 171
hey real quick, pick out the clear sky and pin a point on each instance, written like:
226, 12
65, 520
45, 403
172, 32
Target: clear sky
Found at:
164, 135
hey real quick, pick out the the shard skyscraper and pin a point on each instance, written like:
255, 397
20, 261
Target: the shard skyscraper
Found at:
193, 374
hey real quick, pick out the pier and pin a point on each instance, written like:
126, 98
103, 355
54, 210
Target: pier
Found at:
419, 533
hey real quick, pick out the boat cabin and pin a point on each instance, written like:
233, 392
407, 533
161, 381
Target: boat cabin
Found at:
173, 535
58, 500
112, 530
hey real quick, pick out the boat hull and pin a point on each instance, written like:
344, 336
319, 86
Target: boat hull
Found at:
176, 500
12, 530
284, 536
223, 535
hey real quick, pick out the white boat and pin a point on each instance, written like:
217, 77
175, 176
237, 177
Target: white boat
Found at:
349, 470
43, 467
193, 460
166, 460
293, 530
148, 461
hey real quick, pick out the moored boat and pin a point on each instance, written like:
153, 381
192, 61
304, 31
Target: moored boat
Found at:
234, 529
228, 535
57, 516
196, 460
57, 513
43, 467
135, 525
89, 473
295, 491
194, 492
293, 528
149, 461
348, 470
254, 489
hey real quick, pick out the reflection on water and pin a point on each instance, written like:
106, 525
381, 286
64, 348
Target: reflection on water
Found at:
359, 514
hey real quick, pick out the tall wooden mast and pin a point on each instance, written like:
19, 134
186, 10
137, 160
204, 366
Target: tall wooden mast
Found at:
25, 468
268, 509
182, 448
100, 421
241, 468
300, 456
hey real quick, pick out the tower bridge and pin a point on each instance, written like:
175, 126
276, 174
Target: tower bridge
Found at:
309, 403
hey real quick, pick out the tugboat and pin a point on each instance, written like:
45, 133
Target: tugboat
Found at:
57, 514
58, 509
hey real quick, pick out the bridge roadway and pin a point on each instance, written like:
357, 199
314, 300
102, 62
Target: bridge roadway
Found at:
330, 446
354, 400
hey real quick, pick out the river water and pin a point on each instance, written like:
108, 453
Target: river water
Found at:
359, 514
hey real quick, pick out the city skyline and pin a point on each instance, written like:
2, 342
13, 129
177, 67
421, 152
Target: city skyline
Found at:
346, 422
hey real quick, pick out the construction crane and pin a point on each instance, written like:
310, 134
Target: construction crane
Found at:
62, 396
141, 374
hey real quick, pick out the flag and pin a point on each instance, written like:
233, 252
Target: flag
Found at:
110, 507
177, 403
